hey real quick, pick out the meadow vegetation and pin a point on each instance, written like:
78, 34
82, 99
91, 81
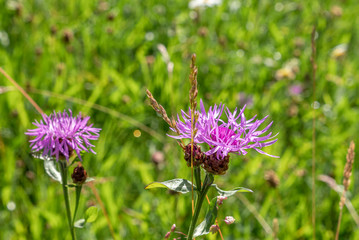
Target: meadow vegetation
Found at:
99, 57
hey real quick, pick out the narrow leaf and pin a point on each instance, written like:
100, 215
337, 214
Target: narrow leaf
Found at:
231, 192
177, 185
80, 223
91, 214
211, 215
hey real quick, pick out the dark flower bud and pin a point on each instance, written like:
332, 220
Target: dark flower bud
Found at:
111, 16
53, 29
214, 165
67, 36
271, 178
198, 155
79, 175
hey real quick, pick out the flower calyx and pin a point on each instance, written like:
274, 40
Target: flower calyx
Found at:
198, 155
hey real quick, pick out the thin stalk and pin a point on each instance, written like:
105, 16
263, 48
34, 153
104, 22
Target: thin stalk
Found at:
206, 185
314, 68
338, 226
23, 92
78, 195
91, 185
63, 169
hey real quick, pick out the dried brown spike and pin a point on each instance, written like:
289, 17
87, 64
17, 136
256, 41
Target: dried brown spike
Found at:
193, 80
160, 110
349, 165
347, 171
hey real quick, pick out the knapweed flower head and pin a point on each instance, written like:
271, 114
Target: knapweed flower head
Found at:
236, 135
60, 134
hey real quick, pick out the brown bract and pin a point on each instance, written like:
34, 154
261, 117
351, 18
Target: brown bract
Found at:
216, 166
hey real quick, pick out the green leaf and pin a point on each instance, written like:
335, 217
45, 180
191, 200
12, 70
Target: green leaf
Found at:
177, 185
211, 215
50, 169
80, 223
231, 192
91, 214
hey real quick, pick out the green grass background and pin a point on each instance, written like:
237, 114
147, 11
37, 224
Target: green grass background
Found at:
109, 61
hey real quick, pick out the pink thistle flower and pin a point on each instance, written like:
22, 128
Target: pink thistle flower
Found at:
60, 134
236, 135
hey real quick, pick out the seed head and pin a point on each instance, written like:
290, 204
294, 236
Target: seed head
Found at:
347, 172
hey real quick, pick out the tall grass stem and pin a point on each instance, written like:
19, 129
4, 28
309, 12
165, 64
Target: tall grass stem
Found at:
314, 68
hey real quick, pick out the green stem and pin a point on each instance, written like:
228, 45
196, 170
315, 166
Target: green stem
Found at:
63, 169
206, 185
197, 175
78, 195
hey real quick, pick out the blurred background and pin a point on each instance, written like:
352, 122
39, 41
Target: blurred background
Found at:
98, 57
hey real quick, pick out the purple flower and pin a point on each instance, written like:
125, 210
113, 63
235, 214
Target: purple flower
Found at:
236, 135
295, 90
60, 134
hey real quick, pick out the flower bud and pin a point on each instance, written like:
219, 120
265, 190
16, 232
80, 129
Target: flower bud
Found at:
79, 174
214, 228
198, 155
167, 235
214, 165
272, 178
229, 220
220, 200
173, 228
